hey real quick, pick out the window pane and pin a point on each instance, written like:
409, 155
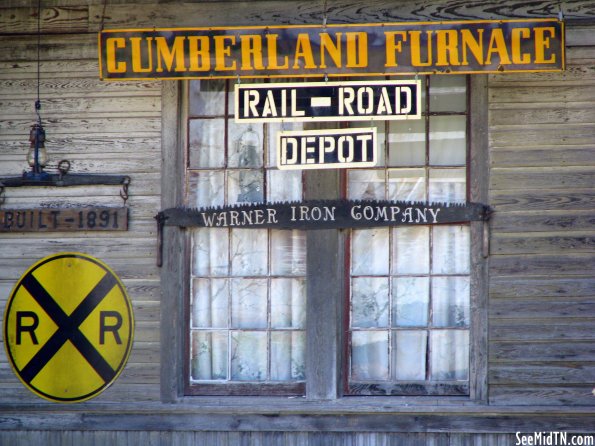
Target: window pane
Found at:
369, 355
450, 301
451, 250
249, 303
284, 185
207, 97
369, 302
206, 188
448, 140
210, 249
245, 186
288, 355
407, 184
450, 354
245, 145
369, 250
410, 301
206, 143
366, 184
209, 355
248, 355
448, 93
288, 303
210, 301
447, 185
407, 143
411, 252
410, 357
288, 252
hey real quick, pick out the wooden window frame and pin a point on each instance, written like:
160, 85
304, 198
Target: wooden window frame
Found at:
325, 276
394, 387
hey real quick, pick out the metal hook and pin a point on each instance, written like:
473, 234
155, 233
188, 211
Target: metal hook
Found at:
63, 167
160, 217
2, 194
124, 192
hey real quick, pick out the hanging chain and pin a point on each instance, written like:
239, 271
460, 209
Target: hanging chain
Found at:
38, 101
103, 15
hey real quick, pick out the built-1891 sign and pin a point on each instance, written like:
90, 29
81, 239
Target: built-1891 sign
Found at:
64, 219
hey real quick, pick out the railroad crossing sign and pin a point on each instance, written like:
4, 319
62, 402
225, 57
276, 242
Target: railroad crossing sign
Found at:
68, 327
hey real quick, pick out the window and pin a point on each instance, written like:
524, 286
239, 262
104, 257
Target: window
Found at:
408, 289
409, 285
247, 291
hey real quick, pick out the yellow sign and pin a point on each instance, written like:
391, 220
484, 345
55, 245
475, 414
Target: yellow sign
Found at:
367, 49
68, 327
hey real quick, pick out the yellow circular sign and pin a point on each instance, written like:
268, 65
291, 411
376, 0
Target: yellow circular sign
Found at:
68, 327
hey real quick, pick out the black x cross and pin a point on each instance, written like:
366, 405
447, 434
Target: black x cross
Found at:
68, 328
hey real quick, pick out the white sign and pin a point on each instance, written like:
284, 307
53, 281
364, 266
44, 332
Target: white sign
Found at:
326, 149
328, 101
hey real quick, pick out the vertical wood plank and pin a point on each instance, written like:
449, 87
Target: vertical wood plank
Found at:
174, 246
478, 177
325, 296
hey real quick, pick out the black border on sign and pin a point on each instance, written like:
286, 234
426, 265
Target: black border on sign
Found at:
126, 355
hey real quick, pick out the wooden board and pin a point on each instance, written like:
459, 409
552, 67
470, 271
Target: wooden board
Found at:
64, 220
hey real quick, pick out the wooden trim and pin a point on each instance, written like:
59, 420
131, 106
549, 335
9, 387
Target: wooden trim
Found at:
174, 246
413, 389
245, 389
478, 183
258, 416
324, 281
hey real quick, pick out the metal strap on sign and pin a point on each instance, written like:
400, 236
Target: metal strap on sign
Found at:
320, 214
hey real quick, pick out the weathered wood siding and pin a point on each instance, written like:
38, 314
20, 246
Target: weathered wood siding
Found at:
542, 264
111, 128
257, 438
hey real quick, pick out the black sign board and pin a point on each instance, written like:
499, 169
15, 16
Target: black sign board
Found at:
325, 214
328, 101
326, 149
334, 50
318, 214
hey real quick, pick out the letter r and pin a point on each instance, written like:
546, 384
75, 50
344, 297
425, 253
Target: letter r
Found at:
29, 328
103, 327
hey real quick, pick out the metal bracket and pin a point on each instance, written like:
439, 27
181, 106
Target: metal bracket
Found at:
63, 179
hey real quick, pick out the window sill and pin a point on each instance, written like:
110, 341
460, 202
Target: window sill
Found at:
250, 414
